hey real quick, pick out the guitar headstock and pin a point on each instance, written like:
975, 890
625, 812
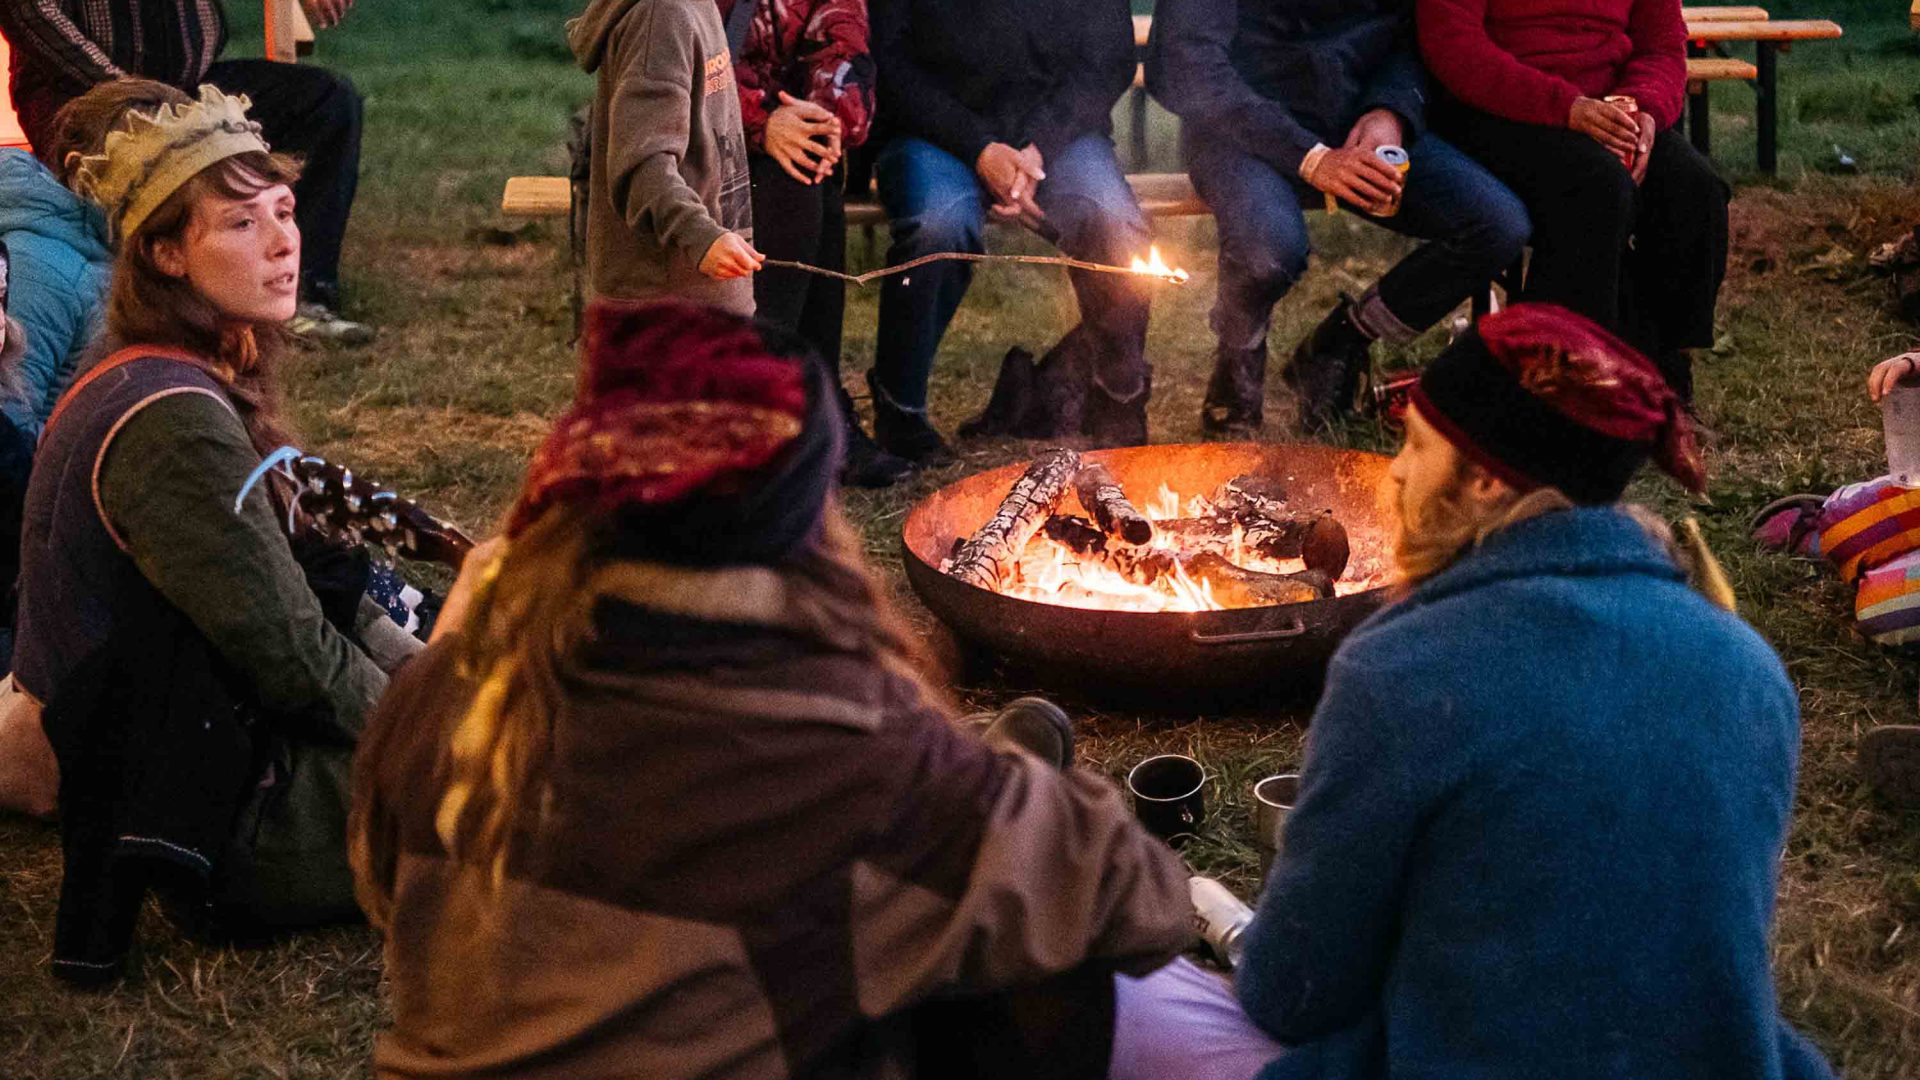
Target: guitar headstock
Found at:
342, 506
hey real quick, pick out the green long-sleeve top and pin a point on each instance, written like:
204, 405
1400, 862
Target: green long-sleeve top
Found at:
167, 484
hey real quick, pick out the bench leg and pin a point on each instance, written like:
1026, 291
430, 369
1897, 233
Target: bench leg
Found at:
1766, 105
1138, 149
1699, 112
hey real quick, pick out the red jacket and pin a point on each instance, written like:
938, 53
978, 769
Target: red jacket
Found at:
1527, 60
812, 49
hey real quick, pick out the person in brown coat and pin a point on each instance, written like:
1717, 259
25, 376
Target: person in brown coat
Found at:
668, 797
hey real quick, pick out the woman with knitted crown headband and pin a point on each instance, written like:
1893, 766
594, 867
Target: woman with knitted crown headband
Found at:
201, 699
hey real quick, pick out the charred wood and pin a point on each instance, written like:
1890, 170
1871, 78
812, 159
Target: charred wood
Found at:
1237, 587
1142, 566
1317, 539
1260, 496
987, 558
1102, 496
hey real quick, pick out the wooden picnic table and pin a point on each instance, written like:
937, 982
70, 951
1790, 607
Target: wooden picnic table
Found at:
1770, 37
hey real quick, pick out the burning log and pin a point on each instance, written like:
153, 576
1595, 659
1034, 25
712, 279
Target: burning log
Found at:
1258, 496
989, 555
1317, 539
1237, 587
1100, 493
1142, 566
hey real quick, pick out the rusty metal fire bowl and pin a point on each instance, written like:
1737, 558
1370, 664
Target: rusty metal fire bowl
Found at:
1237, 653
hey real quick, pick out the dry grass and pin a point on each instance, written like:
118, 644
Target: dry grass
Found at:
472, 360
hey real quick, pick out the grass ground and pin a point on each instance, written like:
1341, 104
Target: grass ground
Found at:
472, 361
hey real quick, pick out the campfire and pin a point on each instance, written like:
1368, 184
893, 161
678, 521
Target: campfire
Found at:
1244, 543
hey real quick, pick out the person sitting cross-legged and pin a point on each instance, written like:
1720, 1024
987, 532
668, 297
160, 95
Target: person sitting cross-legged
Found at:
201, 692
1004, 109
1283, 107
1547, 787
63, 48
668, 795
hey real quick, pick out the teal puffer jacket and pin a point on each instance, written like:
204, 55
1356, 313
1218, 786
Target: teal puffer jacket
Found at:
57, 292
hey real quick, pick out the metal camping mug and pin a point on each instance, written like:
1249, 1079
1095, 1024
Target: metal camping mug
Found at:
1273, 800
1628, 104
1396, 159
1169, 796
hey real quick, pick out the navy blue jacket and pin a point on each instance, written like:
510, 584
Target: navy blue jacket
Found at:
1276, 76
962, 75
1542, 813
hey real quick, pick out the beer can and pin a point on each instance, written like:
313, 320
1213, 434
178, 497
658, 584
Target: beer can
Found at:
1395, 158
1628, 104
1390, 396
1220, 917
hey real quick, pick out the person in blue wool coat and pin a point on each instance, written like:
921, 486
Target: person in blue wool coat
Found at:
1546, 790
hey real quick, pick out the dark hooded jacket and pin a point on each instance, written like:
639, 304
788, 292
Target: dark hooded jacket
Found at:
668, 172
962, 75
1274, 77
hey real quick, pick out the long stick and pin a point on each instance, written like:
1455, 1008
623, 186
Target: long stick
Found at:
1176, 277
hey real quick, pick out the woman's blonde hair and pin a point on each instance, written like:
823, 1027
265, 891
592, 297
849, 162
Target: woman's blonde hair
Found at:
147, 306
533, 607
1433, 536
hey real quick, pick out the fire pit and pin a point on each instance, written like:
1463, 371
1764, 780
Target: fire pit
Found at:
1074, 605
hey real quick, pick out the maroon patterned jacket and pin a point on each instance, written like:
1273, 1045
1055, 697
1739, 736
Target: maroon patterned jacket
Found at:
812, 49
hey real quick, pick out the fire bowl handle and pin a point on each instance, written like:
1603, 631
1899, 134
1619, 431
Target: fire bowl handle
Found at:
1249, 637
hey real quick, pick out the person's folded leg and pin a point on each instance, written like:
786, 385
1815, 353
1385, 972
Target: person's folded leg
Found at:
1182, 1023
1263, 251
1474, 227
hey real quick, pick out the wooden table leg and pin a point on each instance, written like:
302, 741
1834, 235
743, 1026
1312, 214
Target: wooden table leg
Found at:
1699, 109
1766, 106
1138, 104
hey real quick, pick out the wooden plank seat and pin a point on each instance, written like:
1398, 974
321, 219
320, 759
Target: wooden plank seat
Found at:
1160, 195
1706, 69
1723, 14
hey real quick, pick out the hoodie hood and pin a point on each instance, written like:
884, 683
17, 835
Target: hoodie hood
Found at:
587, 35
32, 201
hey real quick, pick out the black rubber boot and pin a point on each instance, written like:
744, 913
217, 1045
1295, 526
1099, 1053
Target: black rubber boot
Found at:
1107, 421
1236, 402
868, 466
1326, 367
906, 434
1012, 400
1058, 404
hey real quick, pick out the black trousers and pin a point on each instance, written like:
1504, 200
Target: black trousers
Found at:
305, 111
804, 223
1645, 260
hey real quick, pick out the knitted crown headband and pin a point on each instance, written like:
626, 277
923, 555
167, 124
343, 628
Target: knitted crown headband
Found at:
154, 154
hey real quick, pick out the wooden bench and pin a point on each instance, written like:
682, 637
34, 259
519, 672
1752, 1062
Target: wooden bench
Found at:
1770, 37
1160, 194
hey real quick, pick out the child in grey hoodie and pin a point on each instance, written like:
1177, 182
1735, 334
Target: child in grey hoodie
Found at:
669, 208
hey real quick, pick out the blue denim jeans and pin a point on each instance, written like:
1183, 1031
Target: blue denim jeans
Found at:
935, 202
1474, 226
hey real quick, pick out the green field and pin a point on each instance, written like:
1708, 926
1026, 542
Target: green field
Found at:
472, 362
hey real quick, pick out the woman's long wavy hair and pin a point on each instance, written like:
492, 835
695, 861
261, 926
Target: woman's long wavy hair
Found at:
533, 607
149, 307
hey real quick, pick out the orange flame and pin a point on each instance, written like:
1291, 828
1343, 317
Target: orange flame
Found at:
1154, 265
